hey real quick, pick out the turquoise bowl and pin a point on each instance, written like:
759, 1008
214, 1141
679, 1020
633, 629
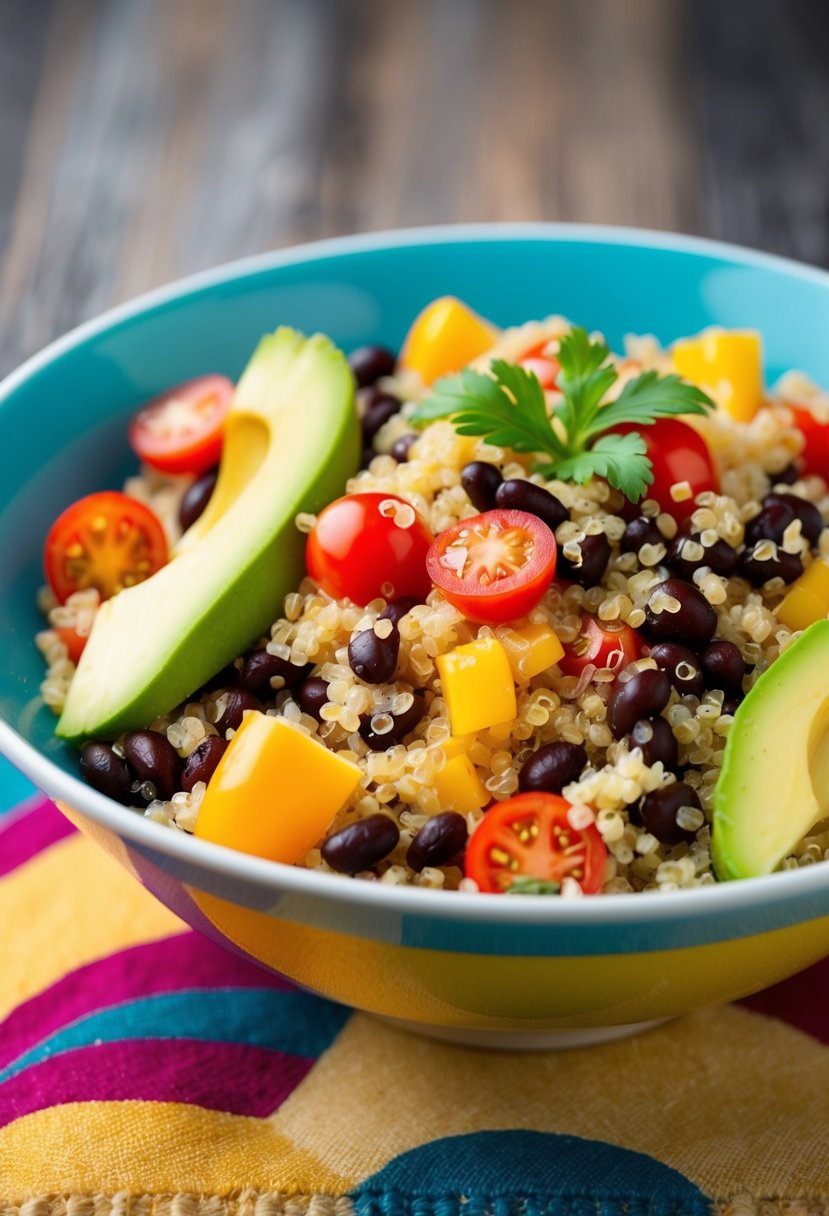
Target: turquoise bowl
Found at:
523, 972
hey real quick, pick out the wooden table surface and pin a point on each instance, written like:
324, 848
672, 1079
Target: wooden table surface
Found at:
144, 139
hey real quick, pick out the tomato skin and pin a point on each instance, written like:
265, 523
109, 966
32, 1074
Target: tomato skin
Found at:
181, 431
677, 453
504, 598
815, 455
356, 551
542, 364
73, 642
101, 541
543, 855
599, 643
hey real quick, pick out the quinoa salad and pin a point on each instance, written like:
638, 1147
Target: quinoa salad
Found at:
504, 660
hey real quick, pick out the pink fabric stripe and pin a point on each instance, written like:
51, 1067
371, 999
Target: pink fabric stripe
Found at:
233, 1077
801, 1001
187, 960
31, 833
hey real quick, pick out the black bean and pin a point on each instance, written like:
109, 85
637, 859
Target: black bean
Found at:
196, 497
260, 667
105, 771
552, 767
723, 666
656, 741
644, 695
519, 495
376, 408
639, 532
770, 523
238, 701
811, 520
369, 363
366, 457
658, 810
401, 447
361, 845
595, 554
397, 609
774, 563
153, 758
692, 620
681, 666
374, 659
438, 841
688, 554
312, 695
402, 725
481, 481
201, 764
729, 705
787, 476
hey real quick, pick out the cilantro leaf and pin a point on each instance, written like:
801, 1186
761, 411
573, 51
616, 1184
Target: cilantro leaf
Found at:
527, 885
508, 407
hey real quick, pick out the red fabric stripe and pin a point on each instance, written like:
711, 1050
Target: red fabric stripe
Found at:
802, 1001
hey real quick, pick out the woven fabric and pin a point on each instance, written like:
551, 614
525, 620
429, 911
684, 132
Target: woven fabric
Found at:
143, 1070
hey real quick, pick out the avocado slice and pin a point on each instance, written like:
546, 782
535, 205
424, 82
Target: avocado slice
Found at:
292, 440
774, 784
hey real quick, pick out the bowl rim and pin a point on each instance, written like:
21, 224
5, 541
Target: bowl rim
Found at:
455, 906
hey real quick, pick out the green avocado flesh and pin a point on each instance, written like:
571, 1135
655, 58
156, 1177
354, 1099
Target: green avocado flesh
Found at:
774, 784
292, 440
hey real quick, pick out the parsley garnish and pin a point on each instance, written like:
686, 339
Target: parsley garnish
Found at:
525, 885
508, 408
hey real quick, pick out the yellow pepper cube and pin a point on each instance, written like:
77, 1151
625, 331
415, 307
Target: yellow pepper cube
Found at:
457, 785
275, 791
807, 599
531, 650
444, 338
728, 365
477, 686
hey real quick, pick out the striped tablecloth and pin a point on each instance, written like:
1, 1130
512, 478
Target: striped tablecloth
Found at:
144, 1070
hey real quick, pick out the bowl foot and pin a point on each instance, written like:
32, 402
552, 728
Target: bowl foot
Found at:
523, 1040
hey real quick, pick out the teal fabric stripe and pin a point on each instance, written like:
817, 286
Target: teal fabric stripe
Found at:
14, 787
290, 1022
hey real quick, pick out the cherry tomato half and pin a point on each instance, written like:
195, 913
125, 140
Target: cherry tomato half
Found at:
677, 453
105, 540
494, 567
181, 431
542, 363
73, 642
815, 455
365, 546
603, 643
530, 836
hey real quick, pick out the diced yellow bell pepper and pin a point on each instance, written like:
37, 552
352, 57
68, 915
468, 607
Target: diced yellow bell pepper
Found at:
444, 338
541, 651
807, 599
275, 791
457, 785
477, 686
728, 365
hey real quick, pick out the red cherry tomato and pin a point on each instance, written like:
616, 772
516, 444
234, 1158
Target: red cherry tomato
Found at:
603, 643
181, 431
677, 453
367, 546
73, 642
545, 365
494, 567
105, 540
530, 836
815, 455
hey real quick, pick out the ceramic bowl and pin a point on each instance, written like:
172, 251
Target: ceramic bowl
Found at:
525, 972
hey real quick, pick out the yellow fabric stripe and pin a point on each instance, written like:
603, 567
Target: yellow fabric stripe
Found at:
65, 907
153, 1147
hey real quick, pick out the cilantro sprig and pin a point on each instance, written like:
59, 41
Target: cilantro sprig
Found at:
508, 408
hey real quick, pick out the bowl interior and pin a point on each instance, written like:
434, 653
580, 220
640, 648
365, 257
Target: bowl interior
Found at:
62, 417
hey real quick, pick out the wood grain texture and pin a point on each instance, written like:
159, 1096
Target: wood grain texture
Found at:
144, 139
